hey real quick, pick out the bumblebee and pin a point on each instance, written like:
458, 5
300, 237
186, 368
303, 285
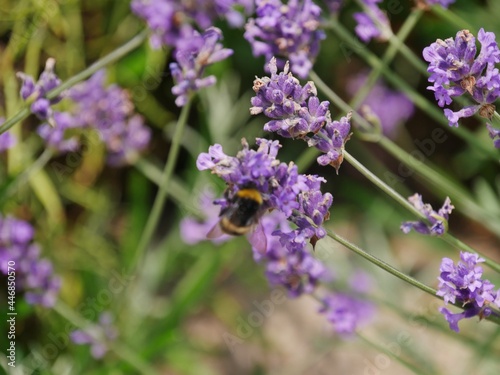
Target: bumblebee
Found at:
241, 215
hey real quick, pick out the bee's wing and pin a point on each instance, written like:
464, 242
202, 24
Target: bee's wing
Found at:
257, 237
215, 232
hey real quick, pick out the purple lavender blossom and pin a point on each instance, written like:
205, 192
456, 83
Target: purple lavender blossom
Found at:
172, 22
438, 221
35, 93
390, 107
35, 275
7, 139
281, 186
97, 336
289, 31
296, 112
334, 6
198, 52
494, 134
463, 283
346, 312
109, 111
455, 70
373, 23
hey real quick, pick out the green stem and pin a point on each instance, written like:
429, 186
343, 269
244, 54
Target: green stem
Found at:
162, 193
108, 59
23, 177
452, 18
389, 54
445, 185
382, 185
403, 202
177, 190
380, 263
125, 353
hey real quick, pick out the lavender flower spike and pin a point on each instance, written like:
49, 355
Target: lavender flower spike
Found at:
373, 23
289, 31
296, 112
98, 336
438, 220
456, 70
197, 52
35, 93
35, 275
463, 283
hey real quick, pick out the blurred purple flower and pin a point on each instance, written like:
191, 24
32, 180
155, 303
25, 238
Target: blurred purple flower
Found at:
373, 23
196, 53
55, 135
390, 107
296, 112
97, 336
455, 70
34, 275
334, 6
346, 312
110, 112
290, 31
438, 221
463, 283
35, 93
494, 134
7, 139
193, 230
173, 22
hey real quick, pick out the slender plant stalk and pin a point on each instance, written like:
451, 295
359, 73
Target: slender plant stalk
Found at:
403, 202
410, 366
388, 56
161, 195
380, 263
125, 353
106, 60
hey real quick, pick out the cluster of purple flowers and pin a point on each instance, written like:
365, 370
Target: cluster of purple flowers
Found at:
293, 197
387, 107
192, 59
296, 212
176, 24
462, 283
97, 336
282, 188
172, 22
290, 31
437, 221
7, 139
296, 112
455, 70
35, 93
372, 23
34, 275
107, 110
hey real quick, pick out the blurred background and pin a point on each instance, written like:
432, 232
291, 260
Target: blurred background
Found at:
197, 308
